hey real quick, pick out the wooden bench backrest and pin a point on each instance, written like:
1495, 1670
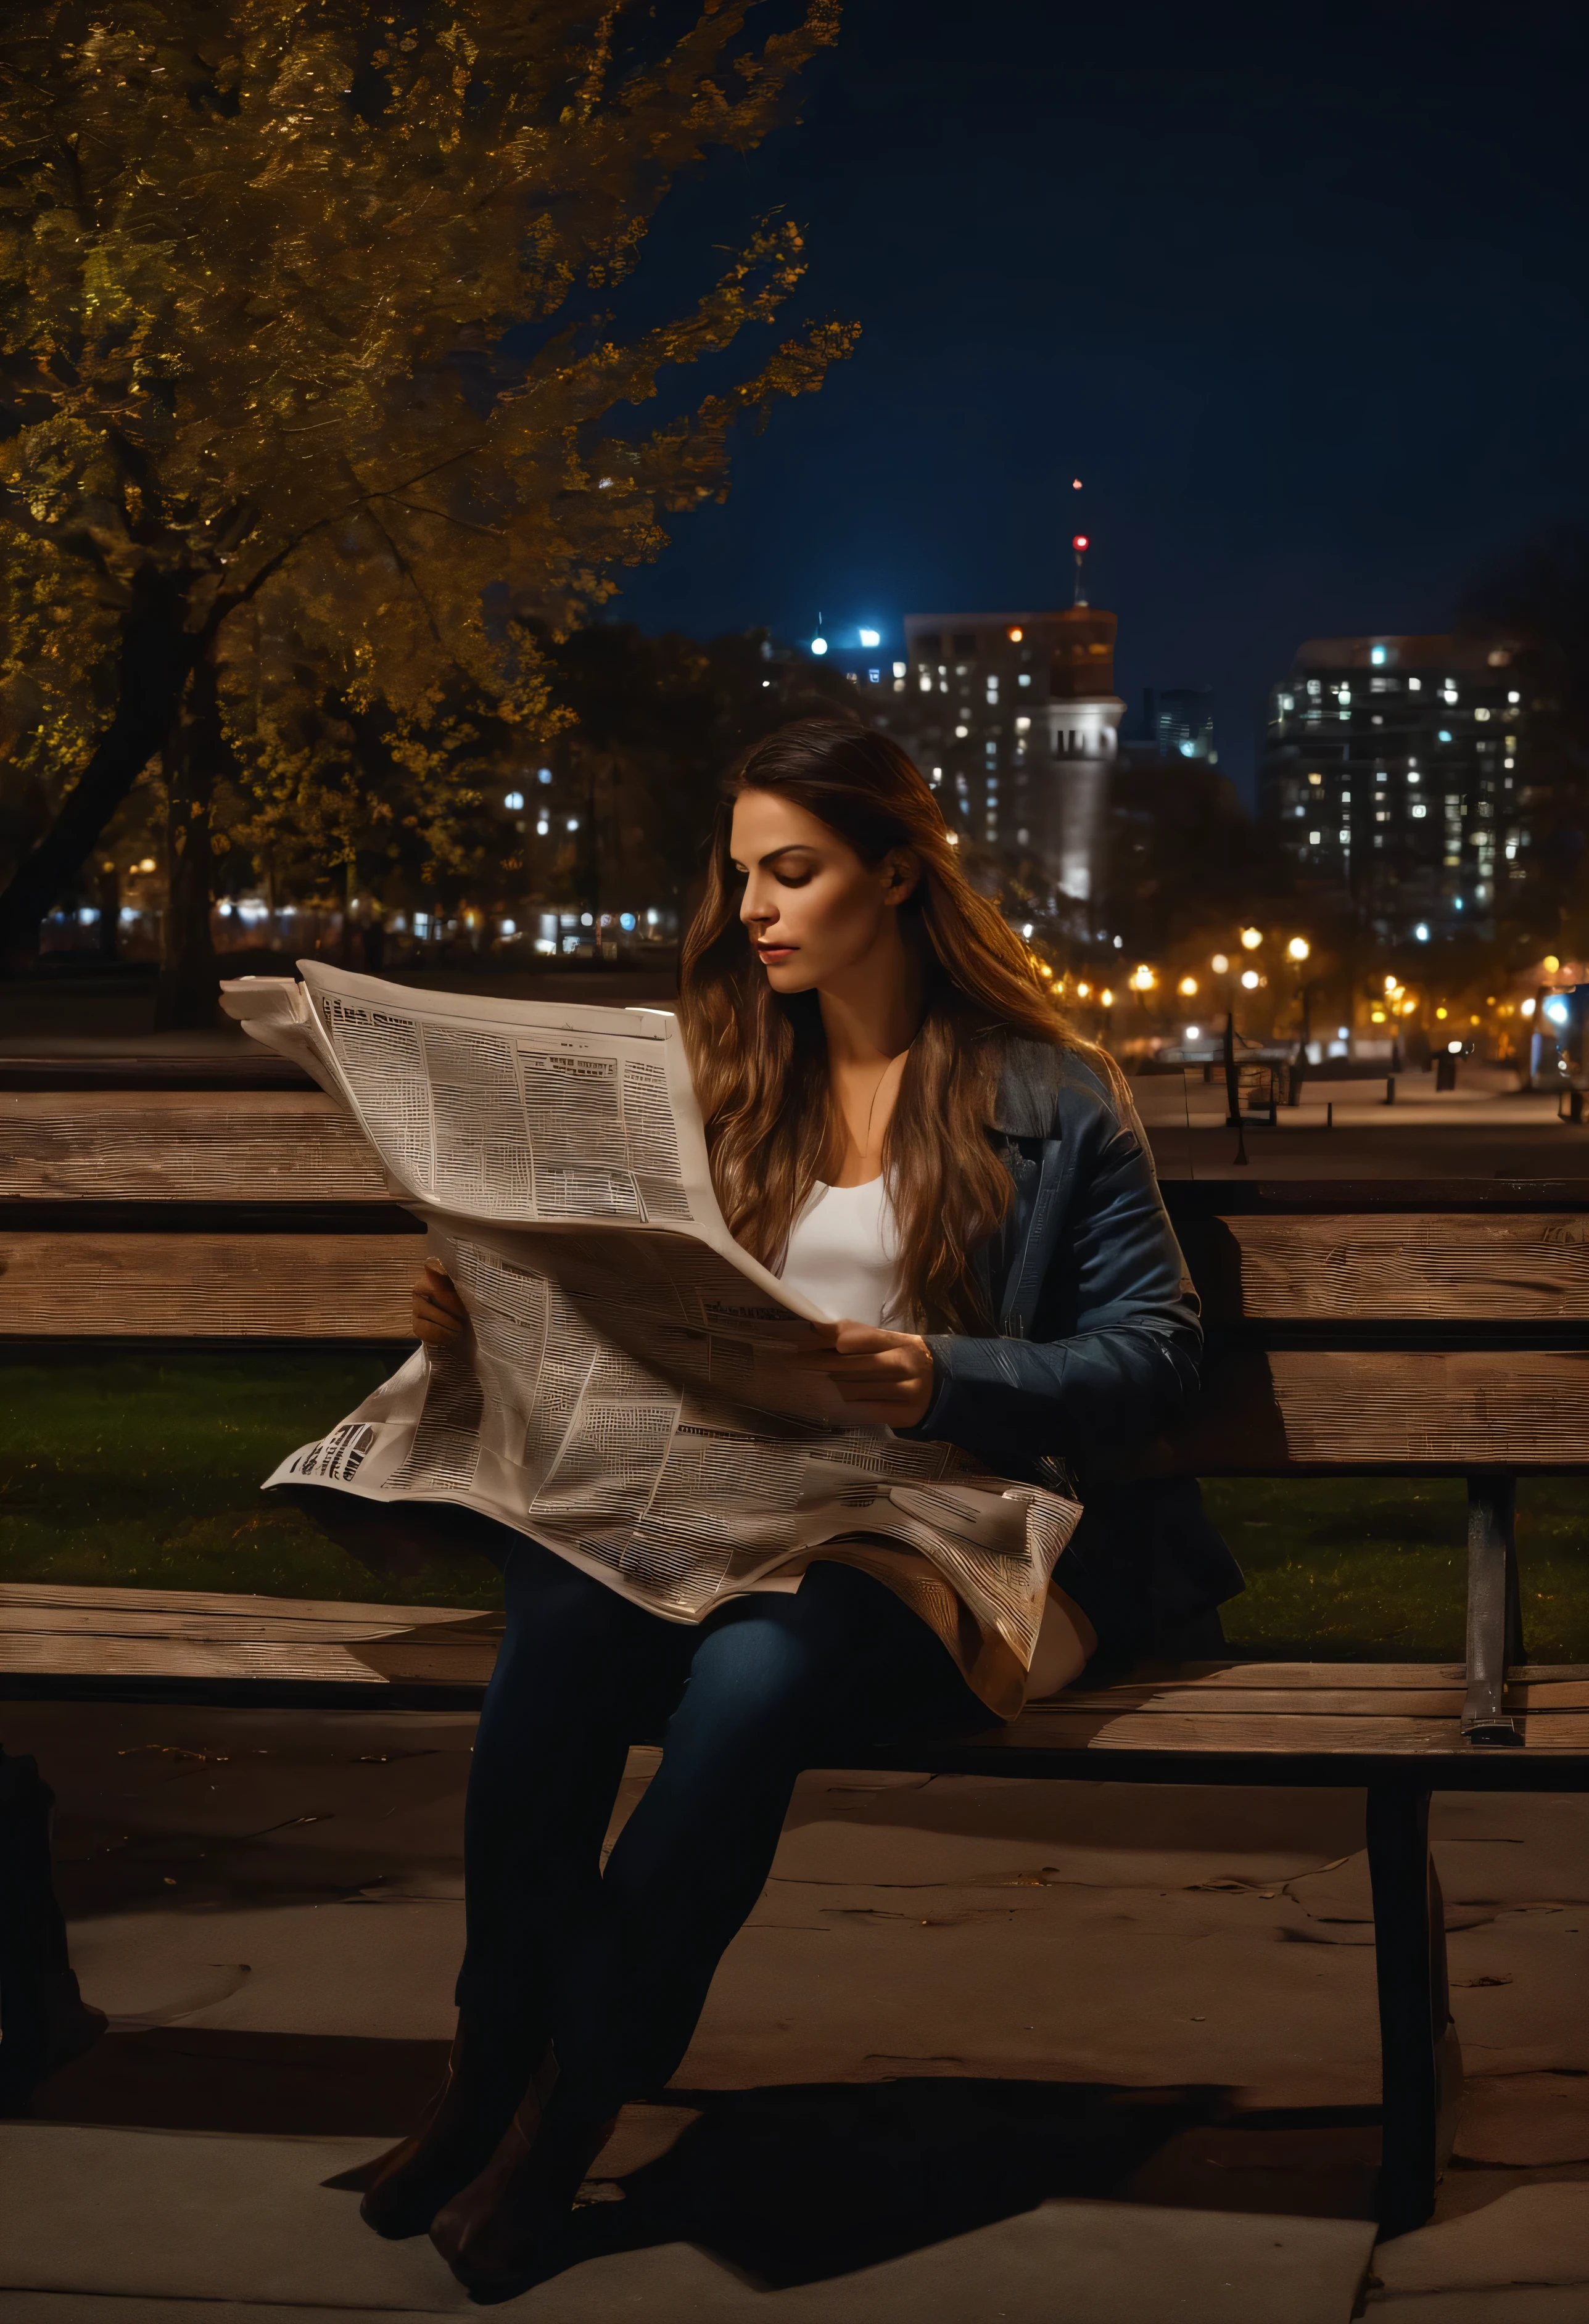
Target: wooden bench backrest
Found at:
1433, 1327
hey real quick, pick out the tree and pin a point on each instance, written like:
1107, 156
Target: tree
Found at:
307, 315
653, 723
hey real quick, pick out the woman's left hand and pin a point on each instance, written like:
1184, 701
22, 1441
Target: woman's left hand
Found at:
885, 1377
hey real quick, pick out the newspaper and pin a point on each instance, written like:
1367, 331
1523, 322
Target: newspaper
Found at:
624, 1395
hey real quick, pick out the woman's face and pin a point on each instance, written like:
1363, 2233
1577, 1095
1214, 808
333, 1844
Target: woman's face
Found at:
813, 911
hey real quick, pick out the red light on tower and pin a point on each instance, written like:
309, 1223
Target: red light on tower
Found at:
1079, 541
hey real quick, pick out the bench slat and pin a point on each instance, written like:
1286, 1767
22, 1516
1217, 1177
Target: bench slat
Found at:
224, 1603
327, 1287
1275, 1412
256, 1146
1051, 1728
44, 1622
1396, 1267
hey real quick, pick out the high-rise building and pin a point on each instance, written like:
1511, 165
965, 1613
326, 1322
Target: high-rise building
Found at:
1177, 723
1395, 768
1014, 719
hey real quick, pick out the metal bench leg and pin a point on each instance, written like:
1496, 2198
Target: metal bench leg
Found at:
1492, 1609
1420, 2057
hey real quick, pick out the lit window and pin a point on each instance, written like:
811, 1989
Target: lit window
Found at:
1514, 697
871, 637
961, 733
1418, 810
1481, 713
1443, 736
1415, 686
898, 669
573, 823
1345, 839
541, 828
1313, 686
1376, 654
513, 801
1021, 725
1412, 774
1314, 838
874, 678
1315, 778
1024, 678
544, 775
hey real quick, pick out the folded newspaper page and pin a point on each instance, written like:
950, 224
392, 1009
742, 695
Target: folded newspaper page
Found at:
623, 1395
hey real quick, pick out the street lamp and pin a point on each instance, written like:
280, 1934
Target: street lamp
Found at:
1298, 948
1188, 986
1251, 938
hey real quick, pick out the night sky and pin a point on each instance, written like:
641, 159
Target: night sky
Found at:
1298, 291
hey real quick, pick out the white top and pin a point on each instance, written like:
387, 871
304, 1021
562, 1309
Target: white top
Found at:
844, 1253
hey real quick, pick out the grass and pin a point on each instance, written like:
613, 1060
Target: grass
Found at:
1375, 1569
146, 1469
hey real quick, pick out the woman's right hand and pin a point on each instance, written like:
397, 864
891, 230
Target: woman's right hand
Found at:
440, 1314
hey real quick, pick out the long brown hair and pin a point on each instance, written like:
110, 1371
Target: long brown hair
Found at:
760, 1059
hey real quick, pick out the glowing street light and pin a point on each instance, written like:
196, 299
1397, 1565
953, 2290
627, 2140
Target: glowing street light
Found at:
1107, 997
1219, 964
1298, 948
1251, 938
1249, 980
1188, 986
1084, 991
1143, 978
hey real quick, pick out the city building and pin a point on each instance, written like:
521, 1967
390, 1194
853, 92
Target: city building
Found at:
1395, 770
1014, 719
1177, 723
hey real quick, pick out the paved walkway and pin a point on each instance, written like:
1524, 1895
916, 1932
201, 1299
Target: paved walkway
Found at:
979, 2041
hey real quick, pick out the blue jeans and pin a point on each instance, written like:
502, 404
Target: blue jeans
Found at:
614, 1964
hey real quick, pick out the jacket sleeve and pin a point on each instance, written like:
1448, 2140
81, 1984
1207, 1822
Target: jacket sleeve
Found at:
1116, 1341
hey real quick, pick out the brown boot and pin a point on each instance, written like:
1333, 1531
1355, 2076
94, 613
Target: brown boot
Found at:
486, 2080
498, 2233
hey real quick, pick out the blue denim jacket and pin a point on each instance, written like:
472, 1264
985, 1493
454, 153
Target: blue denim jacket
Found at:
1098, 1343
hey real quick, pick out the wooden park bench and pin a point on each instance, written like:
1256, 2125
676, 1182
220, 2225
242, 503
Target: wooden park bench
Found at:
1424, 1331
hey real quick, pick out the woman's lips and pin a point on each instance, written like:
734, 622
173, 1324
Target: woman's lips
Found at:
776, 952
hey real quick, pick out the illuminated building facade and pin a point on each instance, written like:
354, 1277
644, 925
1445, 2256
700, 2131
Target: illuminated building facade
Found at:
1395, 770
1014, 720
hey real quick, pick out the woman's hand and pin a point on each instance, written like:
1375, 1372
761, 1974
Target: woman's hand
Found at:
439, 1315
886, 1377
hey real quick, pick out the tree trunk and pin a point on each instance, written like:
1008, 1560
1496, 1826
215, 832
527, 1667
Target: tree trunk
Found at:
155, 657
188, 996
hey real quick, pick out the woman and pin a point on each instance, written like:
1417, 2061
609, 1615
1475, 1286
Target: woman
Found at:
900, 1123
